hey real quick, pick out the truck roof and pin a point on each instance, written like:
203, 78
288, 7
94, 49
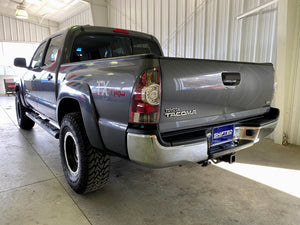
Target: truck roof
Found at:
70, 34
75, 30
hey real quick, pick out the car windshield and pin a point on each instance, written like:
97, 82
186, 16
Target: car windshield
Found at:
97, 46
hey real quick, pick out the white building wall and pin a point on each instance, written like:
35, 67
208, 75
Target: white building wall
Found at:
15, 30
84, 17
205, 29
292, 119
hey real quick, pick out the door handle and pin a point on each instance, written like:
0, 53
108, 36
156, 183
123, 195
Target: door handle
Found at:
33, 77
231, 79
49, 77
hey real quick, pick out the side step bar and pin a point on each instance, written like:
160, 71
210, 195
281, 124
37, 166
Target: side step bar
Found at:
44, 123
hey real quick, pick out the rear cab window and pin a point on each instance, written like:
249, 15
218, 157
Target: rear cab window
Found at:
99, 46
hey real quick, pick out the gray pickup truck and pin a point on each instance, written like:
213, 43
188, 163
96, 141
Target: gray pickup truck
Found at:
105, 91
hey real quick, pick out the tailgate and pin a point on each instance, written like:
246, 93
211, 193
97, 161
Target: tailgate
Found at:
199, 93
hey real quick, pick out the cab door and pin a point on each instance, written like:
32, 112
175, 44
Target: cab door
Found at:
48, 80
32, 77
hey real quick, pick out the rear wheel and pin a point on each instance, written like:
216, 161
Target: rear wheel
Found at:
85, 167
24, 122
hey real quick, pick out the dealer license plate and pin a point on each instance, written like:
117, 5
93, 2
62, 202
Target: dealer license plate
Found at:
222, 134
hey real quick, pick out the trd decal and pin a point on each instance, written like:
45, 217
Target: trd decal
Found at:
118, 93
104, 90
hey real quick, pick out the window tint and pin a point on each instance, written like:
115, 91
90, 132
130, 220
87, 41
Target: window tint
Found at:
54, 50
141, 46
38, 56
87, 47
97, 46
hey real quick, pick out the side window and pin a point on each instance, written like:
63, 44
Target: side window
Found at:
54, 50
38, 56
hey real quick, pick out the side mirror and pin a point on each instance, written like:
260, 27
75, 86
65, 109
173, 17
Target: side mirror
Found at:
20, 62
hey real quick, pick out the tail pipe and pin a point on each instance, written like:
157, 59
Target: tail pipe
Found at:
228, 158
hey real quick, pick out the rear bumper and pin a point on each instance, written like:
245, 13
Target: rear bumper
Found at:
147, 150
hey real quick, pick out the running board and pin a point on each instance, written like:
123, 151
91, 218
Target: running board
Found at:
44, 123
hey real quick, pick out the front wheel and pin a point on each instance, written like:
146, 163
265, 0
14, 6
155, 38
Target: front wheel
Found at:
85, 167
24, 121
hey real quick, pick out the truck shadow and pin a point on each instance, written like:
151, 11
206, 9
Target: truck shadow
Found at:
267, 153
189, 194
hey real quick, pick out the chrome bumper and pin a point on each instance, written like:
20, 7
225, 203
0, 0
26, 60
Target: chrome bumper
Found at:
146, 149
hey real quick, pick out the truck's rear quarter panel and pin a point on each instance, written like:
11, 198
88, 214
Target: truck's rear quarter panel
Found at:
111, 82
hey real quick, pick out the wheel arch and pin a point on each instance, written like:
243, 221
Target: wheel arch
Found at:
19, 91
81, 101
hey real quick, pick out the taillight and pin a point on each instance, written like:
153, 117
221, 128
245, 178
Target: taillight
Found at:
145, 102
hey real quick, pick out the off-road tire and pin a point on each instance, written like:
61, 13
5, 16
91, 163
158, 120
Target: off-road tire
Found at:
24, 121
85, 167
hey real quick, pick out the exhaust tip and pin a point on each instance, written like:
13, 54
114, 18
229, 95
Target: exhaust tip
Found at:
228, 158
